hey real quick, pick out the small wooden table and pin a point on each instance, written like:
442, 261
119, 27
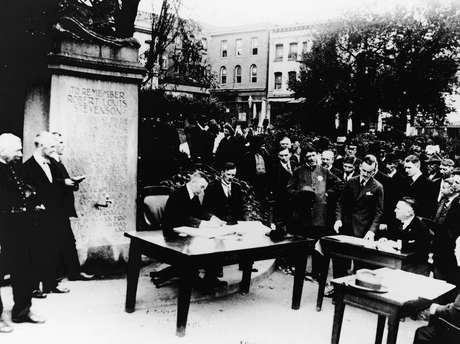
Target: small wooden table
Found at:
407, 294
189, 254
344, 246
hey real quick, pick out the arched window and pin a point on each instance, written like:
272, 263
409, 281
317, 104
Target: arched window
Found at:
223, 75
253, 73
237, 75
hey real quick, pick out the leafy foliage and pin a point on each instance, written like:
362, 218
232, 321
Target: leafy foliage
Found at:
404, 63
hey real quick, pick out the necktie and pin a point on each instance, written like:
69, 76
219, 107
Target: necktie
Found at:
442, 211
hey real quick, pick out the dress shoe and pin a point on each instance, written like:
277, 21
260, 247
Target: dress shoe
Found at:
5, 327
29, 318
38, 294
82, 277
329, 292
56, 291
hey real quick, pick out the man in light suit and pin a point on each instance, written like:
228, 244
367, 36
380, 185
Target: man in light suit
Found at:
360, 208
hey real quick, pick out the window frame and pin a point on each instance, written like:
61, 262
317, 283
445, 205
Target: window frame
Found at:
293, 52
254, 47
238, 47
223, 48
252, 75
280, 84
237, 71
279, 47
222, 75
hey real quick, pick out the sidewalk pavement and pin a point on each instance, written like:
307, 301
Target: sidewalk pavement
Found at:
93, 312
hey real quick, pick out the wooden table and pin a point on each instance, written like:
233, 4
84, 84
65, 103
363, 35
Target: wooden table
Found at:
407, 294
189, 254
343, 246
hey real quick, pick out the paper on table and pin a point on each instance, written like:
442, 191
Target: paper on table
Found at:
209, 232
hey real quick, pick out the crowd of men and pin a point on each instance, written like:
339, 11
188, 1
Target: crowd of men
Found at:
409, 196
37, 244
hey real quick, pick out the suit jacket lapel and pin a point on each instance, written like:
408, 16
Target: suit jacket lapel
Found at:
366, 187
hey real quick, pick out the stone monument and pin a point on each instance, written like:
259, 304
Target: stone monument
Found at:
91, 98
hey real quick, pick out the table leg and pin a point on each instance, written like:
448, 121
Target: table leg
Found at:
187, 277
322, 283
299, 276
132, 275
246, 280
393, 326
338, 317
380, 328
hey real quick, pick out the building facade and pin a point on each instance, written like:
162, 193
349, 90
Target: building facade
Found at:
239, 59
287, 46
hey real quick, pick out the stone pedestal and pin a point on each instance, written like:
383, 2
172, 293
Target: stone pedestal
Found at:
91, 97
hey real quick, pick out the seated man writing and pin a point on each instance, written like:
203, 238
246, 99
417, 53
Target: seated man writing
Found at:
184, 208
414, 235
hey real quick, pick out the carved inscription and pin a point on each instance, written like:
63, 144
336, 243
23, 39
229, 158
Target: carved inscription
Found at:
97, 101
102, 155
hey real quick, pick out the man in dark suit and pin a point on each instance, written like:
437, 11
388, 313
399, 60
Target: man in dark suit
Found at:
254, 168
280, 173
446, 232
68, 255
350, 152
17, 208
223, 198
312, 221
184, 208
41, 172
445, 171
360, 207
419, 188
348, 169
413, 234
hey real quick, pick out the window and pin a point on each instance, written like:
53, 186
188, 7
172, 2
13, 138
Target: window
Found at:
278, 52
253, 73
223, 48
164, 61
305, 47
254, 45
204, 43
237, 75
223, 75
292, 76
278, 80
292, 51
238, 47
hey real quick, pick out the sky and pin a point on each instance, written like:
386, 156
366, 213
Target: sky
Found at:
224, 13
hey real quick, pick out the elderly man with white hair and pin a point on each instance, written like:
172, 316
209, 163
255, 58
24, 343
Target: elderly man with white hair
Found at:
17, 205
41, 172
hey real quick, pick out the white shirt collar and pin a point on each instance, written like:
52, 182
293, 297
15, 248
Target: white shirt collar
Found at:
407, 222
40, 159
392, 173
190, 193
416, 176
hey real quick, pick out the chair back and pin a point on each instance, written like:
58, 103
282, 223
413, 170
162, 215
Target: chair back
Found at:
154, 200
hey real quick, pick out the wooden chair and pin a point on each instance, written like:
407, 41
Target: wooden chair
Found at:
153, 202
